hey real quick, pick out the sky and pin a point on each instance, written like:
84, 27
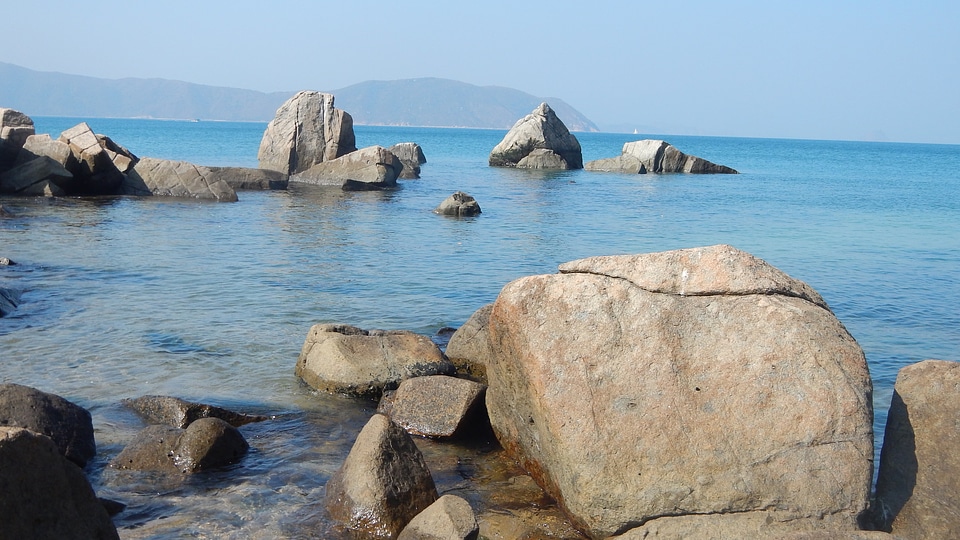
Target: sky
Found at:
840, 69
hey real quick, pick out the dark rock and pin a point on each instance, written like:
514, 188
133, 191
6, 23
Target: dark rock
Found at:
39, 177
205, 444
68, 424
9, 300
459, 205
179, 413
96, 172
437, 406
382, 485
44, 495
539, 130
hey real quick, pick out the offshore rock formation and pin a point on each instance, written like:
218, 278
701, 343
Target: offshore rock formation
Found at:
696, 384
538, 140
166, 178
459, 204
15, 127
306, 130
370, 168
411, 155
655, 156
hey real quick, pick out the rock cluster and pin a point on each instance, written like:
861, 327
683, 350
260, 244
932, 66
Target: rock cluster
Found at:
655, 156
538, 141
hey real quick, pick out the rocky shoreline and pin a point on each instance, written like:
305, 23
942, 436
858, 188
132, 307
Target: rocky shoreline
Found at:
696, 393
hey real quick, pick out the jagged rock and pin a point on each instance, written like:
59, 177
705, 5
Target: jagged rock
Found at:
459, 205
15, 127
435, 406
179, 413
469, 347
205, 444
69, 425
383, 484
448, 518
918, 485
540, 129
245, 178
655, 156
9, 299
373, 167
306, 130
166, 178
122, 158
96, 171
39, 177
44, 495
411, 156
339, 358
699, 381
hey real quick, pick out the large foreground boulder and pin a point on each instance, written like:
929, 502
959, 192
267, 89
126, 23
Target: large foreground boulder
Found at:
545, 136
167, 178
640, 388
43, 495
370, 168
344, 359
383, 484
68, 424
655, 156
306, 130
918, 485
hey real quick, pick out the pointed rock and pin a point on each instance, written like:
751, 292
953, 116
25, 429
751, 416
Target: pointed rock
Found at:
539, 130
306, 130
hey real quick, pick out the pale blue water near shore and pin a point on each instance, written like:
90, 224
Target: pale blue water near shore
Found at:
206, 301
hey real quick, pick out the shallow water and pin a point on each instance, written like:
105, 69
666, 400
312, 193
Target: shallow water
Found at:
211, 302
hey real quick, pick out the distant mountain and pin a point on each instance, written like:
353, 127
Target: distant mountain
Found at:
413, 102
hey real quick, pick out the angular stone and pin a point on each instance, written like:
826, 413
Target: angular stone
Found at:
307, 129
180, 413
96, 172
166, 178
540, 129
383, 483
662, 157
205, 444
459, 205
469, 347
542, 158
245, 178
44, 495
68, 424
40, 176
918, 485
369, 168
15, 128
448, 518
411, 156
345, 359
624, 163
700, 381
437, 406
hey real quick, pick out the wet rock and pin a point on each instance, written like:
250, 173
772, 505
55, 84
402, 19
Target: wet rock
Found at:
339, 358
469, 347
96, 172
166, 178
382, 485
700, 381
44, 494
539, 130
459, 205
366, 169
449, 518
655, 156
69, 425
436, 406
180, 413
245, 178
306, 130
205, 444
918, 485
411, 156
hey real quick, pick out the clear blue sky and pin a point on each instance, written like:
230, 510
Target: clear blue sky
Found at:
815, 69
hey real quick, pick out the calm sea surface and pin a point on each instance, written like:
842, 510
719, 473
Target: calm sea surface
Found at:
212, 301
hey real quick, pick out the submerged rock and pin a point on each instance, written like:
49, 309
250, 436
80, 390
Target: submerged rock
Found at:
918, 485
655, 156
458, 205
543, 135
9, 299
383, 484
306, 130
180, 413
699, 381
68, 424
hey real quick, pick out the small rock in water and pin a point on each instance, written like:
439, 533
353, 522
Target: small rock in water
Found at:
6, 262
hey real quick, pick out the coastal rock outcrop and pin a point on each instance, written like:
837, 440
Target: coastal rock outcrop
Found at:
459, 204
655, 156
205, 444
246, 178
373, 167
67, 424
15, 127
540, 130
411, 155
101, 163
448, 518
918, 484
344, 359
307, 129
469, 347
640, 389
166, 178
41, 177
383, 484
179, 413
436, 406
45, 495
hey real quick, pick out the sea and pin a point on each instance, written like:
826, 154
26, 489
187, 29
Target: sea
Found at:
211, 302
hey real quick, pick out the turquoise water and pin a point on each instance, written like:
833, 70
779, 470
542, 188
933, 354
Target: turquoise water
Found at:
212, 302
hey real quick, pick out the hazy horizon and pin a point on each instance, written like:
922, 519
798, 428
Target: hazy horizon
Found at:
886, 71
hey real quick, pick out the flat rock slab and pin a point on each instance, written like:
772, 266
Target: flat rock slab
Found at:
68, 424
180, 413
436, 406
167, 178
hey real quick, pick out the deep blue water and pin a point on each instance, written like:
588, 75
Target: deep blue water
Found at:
124, 297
